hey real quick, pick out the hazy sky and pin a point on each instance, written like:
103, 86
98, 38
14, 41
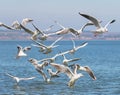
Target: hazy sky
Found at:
44, 12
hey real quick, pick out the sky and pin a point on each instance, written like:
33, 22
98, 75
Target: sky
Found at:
45, 12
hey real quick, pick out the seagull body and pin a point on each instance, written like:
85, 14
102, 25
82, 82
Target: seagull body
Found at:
17, 79
16, 25
39, 67
48, 49
21, 51
72, 75
96, 22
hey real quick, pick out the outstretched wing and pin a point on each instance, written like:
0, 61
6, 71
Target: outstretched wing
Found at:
27, 78
26, 29
93, 19
110, 22
63, 69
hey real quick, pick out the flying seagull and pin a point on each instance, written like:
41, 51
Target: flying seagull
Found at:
96, 22
49, 48
73, 75
73, 31
18, 79
21, 51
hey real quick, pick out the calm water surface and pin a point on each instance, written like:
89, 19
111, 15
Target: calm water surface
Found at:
103, 57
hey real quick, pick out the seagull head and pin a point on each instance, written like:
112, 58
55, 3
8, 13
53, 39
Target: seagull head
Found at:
32, 60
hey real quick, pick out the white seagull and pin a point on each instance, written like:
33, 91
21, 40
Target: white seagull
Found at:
74, 32
18, 79
39, 67
73, 75
96, 22
21, 51
86, 69
49, 48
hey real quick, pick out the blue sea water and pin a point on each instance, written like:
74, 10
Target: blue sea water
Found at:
103, 57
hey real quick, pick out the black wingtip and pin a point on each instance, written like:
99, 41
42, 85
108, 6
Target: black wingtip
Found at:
113, 21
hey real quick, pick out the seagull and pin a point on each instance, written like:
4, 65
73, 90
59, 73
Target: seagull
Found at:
72, 51
74, 32
73, 75
39, 67
65, 30
33, 33
17, 79
44, 36
4, 25
66, 61
48, 49
96, 22
21, 51
26, 20
86, 69
52, 74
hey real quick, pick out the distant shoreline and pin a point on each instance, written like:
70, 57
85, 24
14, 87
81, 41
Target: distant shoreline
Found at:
23, 36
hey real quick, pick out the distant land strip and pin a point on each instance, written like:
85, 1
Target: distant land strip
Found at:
23, 36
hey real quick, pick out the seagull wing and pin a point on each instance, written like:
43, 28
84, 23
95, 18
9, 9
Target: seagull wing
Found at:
94, 20
10, 75
27, 48
63, 69
27, 78
8, 27
26, 29
110, 22
81, 46
60, 25
56, 41
89, 71
73, 43
75, 59
40, 44
49, 28
38, 29
43, 74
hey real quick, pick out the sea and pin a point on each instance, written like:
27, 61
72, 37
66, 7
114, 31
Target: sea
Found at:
103, 57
